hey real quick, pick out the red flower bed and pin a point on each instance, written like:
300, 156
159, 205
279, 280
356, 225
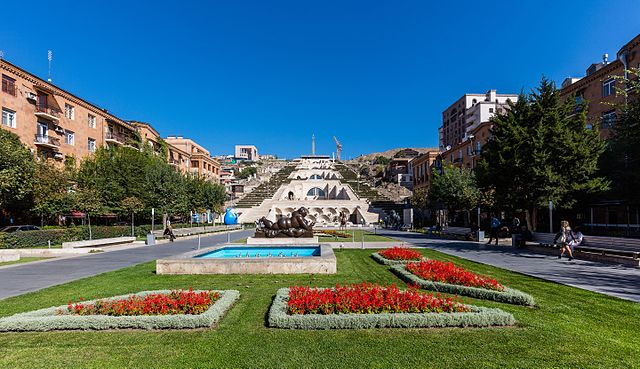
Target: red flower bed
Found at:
400, 253
367, 298
175, 302
446, 272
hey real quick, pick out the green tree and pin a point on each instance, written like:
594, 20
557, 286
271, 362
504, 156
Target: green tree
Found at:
541, 150
50, 196
454, 188
381, 160
89, 201
247, 172
131, 205
17, 169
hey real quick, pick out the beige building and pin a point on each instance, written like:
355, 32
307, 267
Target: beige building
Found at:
467, 153
421, 169
199, 159
54, 123
247, 152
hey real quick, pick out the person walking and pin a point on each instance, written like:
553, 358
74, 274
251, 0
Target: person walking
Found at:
168, 231
495, 228
562, 238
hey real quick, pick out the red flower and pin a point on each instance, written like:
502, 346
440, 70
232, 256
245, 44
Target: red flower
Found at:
367, 298
400, 253
174, 302
447, 272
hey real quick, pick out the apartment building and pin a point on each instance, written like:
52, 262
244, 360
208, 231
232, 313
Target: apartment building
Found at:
597, 87
247, 152
199, 159
422, 169
466, 153
51, 121
468, 113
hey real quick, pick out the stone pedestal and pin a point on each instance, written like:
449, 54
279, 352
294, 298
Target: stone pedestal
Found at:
288, 241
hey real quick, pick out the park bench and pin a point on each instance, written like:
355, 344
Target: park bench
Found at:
98, 242
596, 248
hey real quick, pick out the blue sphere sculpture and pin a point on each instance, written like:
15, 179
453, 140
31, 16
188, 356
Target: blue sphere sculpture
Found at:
230, 217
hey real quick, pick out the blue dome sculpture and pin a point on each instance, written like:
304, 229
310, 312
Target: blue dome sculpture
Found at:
230, 217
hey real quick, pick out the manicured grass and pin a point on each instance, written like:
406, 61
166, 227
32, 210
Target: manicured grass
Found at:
22, 260
569, 327
357, 235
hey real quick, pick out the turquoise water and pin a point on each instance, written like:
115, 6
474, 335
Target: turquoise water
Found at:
262, 252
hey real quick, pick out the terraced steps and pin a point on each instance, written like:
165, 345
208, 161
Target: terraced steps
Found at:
266, 190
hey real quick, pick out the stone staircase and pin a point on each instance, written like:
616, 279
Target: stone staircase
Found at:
267, 189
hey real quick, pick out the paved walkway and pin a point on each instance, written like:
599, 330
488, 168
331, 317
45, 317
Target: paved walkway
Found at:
30, 277
614, 280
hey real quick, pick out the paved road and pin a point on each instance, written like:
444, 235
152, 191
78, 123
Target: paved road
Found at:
614, 280
31, 277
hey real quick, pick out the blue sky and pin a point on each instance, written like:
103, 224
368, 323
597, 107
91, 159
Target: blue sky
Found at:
375, 74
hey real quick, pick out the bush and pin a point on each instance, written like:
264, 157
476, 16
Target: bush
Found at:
49, 319
509, 295
20, 240
478, 317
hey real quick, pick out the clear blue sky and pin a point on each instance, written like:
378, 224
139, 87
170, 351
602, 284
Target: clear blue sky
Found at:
270, 73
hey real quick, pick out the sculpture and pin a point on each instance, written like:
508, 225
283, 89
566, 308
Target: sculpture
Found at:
294, 226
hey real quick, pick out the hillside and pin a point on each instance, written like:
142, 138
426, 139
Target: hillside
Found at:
390, 153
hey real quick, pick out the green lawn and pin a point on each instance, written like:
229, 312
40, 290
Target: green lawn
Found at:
569, 328
22, 260
357, 235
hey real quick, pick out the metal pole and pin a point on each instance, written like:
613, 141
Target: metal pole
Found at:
363, 240
153, 213
228, 236
49, 243
550, 216
198, 242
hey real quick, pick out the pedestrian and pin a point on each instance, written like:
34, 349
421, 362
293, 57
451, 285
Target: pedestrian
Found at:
495, 228
168, 231
575, 239
562, 238
515, 225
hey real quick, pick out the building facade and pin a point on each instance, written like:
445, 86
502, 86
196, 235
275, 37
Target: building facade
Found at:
467, 113
54, 123
247, 152
467, 153
422, 169
200, 161
597, 87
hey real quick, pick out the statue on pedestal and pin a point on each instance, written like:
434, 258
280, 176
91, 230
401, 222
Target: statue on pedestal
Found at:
294, 226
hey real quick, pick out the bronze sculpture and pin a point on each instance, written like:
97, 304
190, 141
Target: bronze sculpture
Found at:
294, 226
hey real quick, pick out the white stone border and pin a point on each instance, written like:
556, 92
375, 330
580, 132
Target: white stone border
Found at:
384, 261
478, 317
47, 320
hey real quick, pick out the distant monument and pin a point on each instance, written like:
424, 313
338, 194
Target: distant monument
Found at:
286, 227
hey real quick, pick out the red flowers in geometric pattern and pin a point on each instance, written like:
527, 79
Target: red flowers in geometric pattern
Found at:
447, 272
400, 253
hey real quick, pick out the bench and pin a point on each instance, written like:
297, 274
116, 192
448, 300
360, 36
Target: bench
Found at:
98, 242
596, 248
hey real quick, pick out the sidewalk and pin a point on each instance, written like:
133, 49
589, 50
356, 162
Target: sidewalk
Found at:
612, 280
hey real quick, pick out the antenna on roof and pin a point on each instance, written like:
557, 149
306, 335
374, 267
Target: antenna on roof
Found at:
50, 58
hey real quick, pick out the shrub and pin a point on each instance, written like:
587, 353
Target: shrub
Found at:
57, 236
508, 295
447, 272
49, 319
400, 253
475, 317
366, 298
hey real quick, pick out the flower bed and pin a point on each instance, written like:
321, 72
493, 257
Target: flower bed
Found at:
168, 313
447, 272
396, 255
506, 294
366, 306
172, 303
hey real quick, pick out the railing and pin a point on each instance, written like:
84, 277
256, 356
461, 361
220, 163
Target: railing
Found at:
46, 139
9, 88
47, 110
114, 136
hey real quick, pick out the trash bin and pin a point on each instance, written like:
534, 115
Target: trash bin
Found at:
151, 239
480, 236
516, 240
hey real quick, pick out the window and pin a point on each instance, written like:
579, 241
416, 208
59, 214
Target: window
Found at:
460, 155
490, 110
9, 85
478, 147
316, 192
468, 150
92, 121
69, 111
69, 137
8, 118
608, 118
91, 144
608, 87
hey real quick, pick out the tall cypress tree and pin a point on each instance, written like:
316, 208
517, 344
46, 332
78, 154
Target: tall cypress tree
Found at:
541, 150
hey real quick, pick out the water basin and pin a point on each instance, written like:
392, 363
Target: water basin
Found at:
261, 252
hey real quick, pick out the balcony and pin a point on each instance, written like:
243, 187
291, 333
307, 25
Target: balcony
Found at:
114, 138
173, 161
47, 112
47, 141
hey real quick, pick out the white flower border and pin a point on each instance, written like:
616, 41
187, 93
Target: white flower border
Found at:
48, 320
384, 261
478, 317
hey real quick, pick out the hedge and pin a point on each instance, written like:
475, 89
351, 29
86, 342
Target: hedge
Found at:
57, 236
48, 320
478, 317
382, 260
509, 295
